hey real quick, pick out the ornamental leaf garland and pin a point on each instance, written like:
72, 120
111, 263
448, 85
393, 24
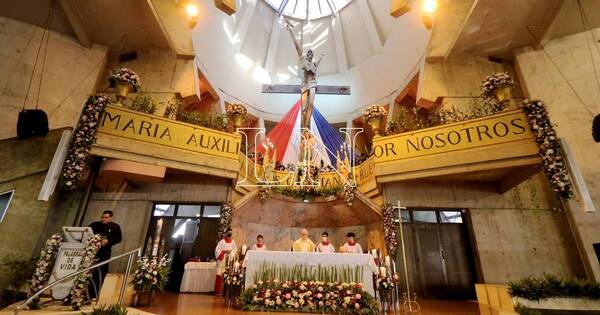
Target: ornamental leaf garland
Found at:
81, 142
349, 192
550, 150
494, 81
226, 215
79, 291
389, 228
44, 267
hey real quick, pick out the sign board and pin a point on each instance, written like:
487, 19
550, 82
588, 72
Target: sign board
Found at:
124, 123
497, 129
69, 259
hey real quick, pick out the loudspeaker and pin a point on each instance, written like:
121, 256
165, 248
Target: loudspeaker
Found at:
227, 6
596, 128
32, 123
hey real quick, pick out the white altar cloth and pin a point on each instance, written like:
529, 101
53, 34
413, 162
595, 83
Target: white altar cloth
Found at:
199, 277
255, 258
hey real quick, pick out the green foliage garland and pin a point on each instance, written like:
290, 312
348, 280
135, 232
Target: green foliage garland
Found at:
549, 286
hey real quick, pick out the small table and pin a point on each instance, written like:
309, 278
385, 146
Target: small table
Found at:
199, 277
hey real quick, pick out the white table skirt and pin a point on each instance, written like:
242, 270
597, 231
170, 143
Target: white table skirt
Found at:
255, 258
199, 277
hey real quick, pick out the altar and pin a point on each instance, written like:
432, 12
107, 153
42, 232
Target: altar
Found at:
366, 263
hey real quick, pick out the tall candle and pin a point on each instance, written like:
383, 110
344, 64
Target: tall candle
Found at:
244, 249
382, 270
374, 253
236, 266
387, 261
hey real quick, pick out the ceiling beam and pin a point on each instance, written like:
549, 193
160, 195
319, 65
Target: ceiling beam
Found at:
340, 45
273, 45
174, 26
550, 23
71, 10
449, 25
242, 28
370, 25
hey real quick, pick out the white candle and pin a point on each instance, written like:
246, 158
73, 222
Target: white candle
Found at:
382, 270
374, 253
244, 249
236, 266
387, 261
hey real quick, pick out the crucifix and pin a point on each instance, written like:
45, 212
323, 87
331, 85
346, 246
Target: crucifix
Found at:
309, 87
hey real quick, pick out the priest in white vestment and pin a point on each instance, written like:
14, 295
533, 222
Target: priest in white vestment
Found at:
224, 247
260, 245
351, 246
325, 246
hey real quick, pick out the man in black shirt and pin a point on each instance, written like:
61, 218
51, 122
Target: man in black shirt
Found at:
111, 233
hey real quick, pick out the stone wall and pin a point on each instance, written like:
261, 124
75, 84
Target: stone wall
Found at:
515, 234
70, 75
162, 73
132, 204
564, 76
28, 222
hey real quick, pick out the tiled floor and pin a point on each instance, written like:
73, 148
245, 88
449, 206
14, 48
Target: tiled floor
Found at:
192, 304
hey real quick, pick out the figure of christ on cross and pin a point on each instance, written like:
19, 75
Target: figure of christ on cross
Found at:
309, 81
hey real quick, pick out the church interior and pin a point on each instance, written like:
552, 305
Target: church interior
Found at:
363, 157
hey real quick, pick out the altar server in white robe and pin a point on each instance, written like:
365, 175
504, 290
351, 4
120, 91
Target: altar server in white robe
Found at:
225, 246
260, 245
351, 246
325, 246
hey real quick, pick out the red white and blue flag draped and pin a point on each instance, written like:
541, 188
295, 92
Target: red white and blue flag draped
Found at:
286, 135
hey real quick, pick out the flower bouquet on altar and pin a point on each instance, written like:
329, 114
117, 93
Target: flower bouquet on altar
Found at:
151, 274
234, 277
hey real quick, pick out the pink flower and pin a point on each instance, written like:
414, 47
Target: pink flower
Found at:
356, 306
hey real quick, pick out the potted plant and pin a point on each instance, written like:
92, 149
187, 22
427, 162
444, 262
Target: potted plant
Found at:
237, 113
499, 86
124, 80
374, 115
151, 274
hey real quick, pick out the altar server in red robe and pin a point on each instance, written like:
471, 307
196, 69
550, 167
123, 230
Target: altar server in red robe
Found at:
351, 246
224, 247
259, 244
325, 246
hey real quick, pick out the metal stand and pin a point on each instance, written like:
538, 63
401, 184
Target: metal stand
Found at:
410, 302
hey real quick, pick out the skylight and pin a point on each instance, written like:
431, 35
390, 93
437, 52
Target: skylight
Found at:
307, 9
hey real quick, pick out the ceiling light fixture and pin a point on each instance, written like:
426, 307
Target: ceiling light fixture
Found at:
429, 8
191, 9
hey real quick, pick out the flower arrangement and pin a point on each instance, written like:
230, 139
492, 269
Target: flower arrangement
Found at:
79, 291
227, 210
151, 274
84, 136
234, 276
550, 150
389, 228
349, 192
44, 266
387, 282
124, 75
264, 193
494, 81
309, 297
208, 120
236, 109
172, 108
374, 111
143, 102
